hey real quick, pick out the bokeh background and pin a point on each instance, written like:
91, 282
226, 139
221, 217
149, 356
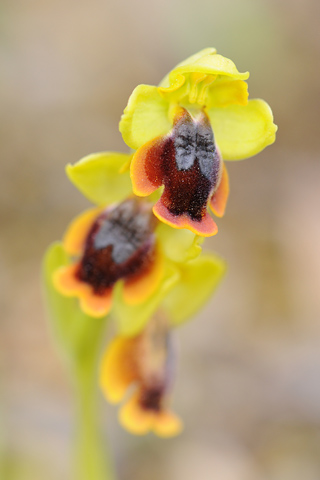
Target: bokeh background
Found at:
249, 375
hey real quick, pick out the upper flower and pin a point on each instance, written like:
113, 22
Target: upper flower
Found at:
182, 129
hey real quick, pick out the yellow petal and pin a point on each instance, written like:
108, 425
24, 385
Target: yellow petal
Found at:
134, 419
166, 424
96, 305
190, 60
243, 131
178, 245
198, 280
118, 369
145, 117
102, 177
190, 80
65, 280
210, 64
225, 92
138, 289
131, 319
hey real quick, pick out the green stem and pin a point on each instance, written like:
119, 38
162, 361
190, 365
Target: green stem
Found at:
92, 460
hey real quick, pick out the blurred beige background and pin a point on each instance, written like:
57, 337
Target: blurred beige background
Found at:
249, 374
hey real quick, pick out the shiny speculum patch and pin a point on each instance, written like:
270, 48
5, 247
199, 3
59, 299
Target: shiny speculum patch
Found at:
191, 167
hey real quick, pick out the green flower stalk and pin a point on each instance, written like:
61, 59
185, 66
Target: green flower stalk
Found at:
79, 337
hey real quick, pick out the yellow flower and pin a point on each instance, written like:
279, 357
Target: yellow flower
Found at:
184, 129
145, 361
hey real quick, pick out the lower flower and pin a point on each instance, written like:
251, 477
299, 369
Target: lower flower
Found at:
107, 245
147, 362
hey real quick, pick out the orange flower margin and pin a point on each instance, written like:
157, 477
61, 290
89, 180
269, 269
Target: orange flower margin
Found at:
183, 129
144, 361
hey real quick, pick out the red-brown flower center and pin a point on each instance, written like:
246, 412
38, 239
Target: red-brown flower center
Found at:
152, 398
120, 244
155, 364
192, 166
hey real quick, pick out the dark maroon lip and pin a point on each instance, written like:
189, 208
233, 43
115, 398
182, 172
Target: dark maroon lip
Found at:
189, 165
120, 244
151, 398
